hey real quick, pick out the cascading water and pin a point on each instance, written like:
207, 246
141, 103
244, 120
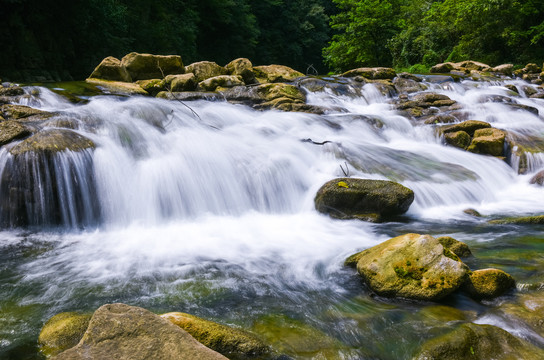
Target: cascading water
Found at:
213, 214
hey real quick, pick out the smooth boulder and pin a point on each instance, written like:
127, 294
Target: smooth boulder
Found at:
148, 66
411, 266
242, 67
221, 81
350, 198
488, 141
205, 69
123, 332
275, 73
488, 283
111, 69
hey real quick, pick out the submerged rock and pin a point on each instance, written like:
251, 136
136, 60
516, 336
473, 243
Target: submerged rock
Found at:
411, 266
275, 73
12, 130
479, 342
111, 69
229, 341
529, 308
119, 331
148, 66
488, 283
349, 198
62, 332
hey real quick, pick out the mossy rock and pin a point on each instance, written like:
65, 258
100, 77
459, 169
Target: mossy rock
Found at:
529, 308
12, 90
275, 73
268, 92
22, 112
459, 139
444, 313
148, 66
469, 126
459, 248
223, 81
111, 69
53, 141
488, 283
152, 86
12, 130
350, 198
488, 141
183, 82
117, 87
242, 67
231, 342
536, 220
411, 266
442, 68
373, 73
62, 332
504, 69
408, 86
478, 342
205, 69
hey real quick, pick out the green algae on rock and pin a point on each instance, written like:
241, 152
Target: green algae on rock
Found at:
459, 248
488, 283
62, 332
52, 141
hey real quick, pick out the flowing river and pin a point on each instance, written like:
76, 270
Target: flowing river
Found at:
212, 214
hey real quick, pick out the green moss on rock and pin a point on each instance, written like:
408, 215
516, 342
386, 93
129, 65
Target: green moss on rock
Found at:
275, 73
12, 130
469, 126
488, 141
62, 332
488, 283
52, 141
458, 139
457, 247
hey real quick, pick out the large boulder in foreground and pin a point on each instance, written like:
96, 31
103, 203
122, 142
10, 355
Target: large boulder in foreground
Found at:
62, 332
229, 341
478, 342
111, 69
148, 66
349, 198
123, 332
411, 266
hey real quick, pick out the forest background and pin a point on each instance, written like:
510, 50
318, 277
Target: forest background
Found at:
66, 39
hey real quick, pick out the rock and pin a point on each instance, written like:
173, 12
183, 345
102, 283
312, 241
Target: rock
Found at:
349, 198
512, 88
441, 119
148, 66
204, 70
119, 331
153, 86
528, 90
19, 112
442, 68
457, 247
458, 139
190, 96
275, 73
184, 82
478, 342
12, 90
12, 130
224, 81
226, 340
52, 141
488, 283
118, 87
242, 67
472, 65
372, 73
538, 219
523, 107
488, 141
529, 307
469, 126
472, 212
111, 69
62, 332
407, 86
504, 69
532, 68
537, 179
411, 266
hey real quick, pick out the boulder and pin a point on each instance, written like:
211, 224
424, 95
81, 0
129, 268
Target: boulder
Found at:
204, 70
458, 139
488, 283
111, 69
504, 69
62, 332
411, 266
472, 65
489, 141
148, 66
117, 87
229, 341
242, 67
406, 86
268, 92
375, 73
11, 90
153, 86
119, 331
478, 342
52, 141
538, 178
184, 82
535, 220
469, 126
442, 68
275, 73
457, 247
223, 81
12, 130
532, 68
22, 112
374, 200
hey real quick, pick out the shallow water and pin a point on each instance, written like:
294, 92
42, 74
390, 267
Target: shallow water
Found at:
214, 216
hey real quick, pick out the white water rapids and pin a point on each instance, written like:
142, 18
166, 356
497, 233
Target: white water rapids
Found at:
226, 198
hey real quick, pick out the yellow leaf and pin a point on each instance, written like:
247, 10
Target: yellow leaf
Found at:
343, 184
